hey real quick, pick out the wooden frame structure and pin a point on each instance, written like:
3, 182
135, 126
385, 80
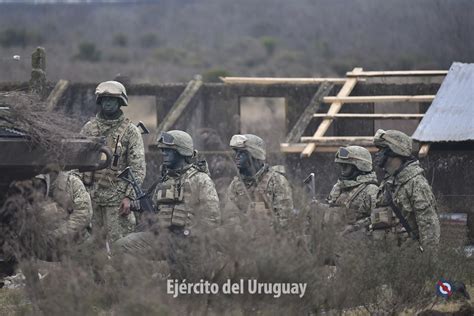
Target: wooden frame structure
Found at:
318, 142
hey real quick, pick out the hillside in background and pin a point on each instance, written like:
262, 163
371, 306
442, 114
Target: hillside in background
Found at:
174, 39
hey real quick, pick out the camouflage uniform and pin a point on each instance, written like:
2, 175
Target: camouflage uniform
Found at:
357, 196
68, 209
267, 193
106, 190
410, 192
186, 201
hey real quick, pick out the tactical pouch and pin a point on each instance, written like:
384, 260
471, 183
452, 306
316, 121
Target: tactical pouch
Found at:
165, 215
169, 194
382, 218
180, 215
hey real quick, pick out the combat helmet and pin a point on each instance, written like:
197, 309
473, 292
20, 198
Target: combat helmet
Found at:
112, 89
398, 142
181, 141
251, 143
355, 155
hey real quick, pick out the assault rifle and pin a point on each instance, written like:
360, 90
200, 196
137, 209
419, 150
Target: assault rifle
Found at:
145, 203
402, 219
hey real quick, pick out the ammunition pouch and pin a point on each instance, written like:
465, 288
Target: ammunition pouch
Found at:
169, 194
382, 218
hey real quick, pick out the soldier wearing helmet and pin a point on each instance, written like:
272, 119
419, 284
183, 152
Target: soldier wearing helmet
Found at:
259, 187
356, 190
185, 197
112, 218
406, 191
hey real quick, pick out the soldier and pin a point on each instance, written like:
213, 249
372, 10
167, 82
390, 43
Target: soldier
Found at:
67, 208
110, 196
185, 199
405, 191
356, 190
258, 187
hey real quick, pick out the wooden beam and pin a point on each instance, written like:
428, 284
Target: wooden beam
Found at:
180, 105
375, 116
313, 106
267, 80
297, 148
397, 73
333, 109
380, 99
424, 149
55, 95
340, 140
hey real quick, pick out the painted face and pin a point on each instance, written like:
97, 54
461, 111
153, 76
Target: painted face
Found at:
381, 156
171, 158
242, 159
346, 170
109, 105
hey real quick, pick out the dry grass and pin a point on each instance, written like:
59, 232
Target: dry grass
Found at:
373, 279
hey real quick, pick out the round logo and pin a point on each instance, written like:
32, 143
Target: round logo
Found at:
186, 232
444, 288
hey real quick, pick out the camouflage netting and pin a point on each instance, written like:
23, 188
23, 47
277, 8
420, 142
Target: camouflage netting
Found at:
28, 114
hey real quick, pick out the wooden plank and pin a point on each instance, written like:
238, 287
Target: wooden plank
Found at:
299, 147
380, 99
333, 109
55, 95
398, 116
268, 80
313, 106
397, 73
424, 149
340, 140
180, 105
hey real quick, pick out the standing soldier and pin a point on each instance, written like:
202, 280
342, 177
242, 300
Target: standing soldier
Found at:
405, 191
185, 200
110, 196
356, 190
258, 187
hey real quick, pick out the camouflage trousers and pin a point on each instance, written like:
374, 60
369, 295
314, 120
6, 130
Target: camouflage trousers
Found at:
187, 257
149, 245
108, 225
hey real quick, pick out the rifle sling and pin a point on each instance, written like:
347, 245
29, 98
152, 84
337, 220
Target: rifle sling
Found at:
400, 217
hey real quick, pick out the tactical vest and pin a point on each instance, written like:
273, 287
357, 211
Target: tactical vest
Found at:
348, 196
172, 198
345, 202
107, 176
255, 198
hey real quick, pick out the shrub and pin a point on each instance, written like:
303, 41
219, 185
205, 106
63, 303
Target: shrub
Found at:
269, 43
88, 52
120, 40
18, 38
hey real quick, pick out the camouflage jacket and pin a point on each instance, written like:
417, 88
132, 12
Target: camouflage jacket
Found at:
359, 196
103, 185
268, 190
70, 211
412, 194
187, 198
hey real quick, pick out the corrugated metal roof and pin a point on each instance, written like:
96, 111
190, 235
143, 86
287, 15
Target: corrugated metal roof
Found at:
451, 115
